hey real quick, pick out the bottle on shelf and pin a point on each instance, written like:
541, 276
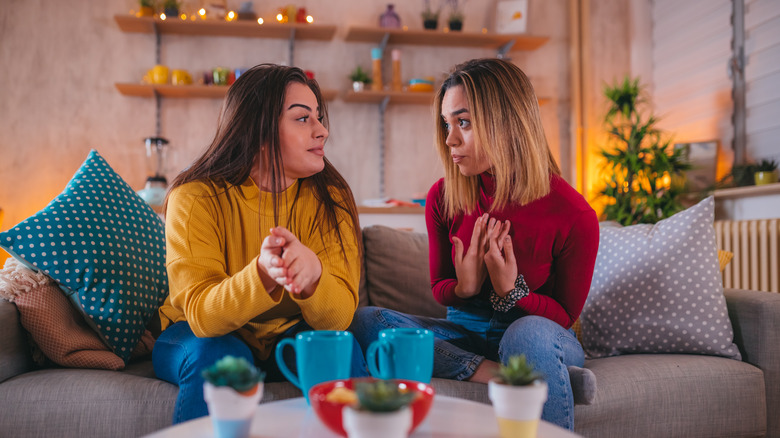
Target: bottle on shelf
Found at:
376, 62
395, 55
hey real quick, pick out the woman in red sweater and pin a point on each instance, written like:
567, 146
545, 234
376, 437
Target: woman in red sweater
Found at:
512, 244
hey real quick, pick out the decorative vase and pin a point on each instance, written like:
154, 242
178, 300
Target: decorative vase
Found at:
365, 424
766, 177
389, 18
171, 11
231, 411
517, 408
358, 86
430, 24
456, 25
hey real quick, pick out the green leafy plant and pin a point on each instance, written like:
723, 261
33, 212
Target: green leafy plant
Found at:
382, 396
359, 75
235, 372
171, 4
517, 372
429, 13
643, 168
146, 3
456, 13
765, 166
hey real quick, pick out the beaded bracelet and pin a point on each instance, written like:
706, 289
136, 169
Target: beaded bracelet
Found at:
508, 302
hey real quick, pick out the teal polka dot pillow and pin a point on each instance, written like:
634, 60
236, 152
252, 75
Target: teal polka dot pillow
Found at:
106, 249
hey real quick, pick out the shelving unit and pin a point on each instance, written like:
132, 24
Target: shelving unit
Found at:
187, 91
237, 28
444, 39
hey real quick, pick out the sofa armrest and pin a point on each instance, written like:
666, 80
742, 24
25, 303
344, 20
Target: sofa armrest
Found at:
755, 317
14, 353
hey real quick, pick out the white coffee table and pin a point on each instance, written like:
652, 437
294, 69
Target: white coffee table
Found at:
449, 417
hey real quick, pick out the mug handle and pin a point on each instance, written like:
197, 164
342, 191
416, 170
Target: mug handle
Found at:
283, 366
371, 358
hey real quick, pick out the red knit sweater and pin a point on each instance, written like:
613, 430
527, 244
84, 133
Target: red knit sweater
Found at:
555, 241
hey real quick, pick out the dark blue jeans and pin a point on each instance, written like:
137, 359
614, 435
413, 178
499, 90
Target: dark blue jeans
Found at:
472, 333
179, 357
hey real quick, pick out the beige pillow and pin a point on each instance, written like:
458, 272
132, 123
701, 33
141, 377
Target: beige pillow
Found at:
56, 327
397, 273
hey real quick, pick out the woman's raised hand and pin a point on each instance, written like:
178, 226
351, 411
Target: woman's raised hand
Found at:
500, 257
470, 267
298, 269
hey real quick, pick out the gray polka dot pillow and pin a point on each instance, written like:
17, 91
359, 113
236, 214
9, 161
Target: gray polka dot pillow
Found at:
657, 289
104, 246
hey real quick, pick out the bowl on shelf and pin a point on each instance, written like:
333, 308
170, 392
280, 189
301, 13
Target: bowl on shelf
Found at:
328, 409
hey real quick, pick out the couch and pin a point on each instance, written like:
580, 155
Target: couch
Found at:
640, 395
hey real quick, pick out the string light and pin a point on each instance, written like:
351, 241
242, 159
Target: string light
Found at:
309, 19
163, 17
260, 20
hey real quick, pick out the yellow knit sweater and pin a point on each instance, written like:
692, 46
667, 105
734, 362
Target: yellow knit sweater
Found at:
213, 241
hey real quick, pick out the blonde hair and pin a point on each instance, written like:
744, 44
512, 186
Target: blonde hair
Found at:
507, 130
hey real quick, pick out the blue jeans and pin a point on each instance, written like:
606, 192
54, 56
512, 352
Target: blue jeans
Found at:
473, 333
179, 357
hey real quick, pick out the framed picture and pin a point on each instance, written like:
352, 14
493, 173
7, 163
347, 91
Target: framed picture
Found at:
511, 16
703, 157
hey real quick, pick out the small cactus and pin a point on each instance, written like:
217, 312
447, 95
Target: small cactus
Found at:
517, 372
235, 372
382, 396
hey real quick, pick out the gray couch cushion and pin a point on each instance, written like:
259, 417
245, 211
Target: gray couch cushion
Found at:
693, 395
657, 289
397, 275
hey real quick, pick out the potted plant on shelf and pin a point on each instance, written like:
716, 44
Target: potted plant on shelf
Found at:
430, 16
232, 389
518, 394
765, 172
382, 411
171, 8
643, 170
455, 20
359, 79
146, 8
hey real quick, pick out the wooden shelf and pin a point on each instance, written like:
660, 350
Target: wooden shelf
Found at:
747, 191
390, 210
238, 28
444, 39
187, 91
398, 97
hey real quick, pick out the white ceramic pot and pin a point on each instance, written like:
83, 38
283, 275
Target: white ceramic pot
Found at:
231, 412
518, 408
357, 86
364, 424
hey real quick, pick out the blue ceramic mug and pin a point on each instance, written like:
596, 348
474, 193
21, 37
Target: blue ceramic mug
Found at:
402, 353
320, 356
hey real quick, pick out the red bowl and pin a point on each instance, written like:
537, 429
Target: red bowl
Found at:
330, 412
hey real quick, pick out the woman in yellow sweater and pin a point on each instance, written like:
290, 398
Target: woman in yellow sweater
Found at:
262, 237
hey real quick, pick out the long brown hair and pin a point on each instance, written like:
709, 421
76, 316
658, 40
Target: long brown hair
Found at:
508, 131
248, 132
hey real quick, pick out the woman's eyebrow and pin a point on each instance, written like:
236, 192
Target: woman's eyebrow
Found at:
457, 112
306, 107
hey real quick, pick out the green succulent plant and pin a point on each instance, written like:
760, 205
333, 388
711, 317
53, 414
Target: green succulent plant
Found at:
235, 372
765, 166
382, 396
359, 75
517, 372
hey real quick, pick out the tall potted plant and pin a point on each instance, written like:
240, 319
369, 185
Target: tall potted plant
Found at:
642, 166
518, 394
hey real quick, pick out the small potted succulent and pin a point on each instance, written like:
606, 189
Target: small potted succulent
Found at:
765, 172
518, 394
146, 8
382, 411
455, 20
171, 8
430, 16
233, 387
359, 79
